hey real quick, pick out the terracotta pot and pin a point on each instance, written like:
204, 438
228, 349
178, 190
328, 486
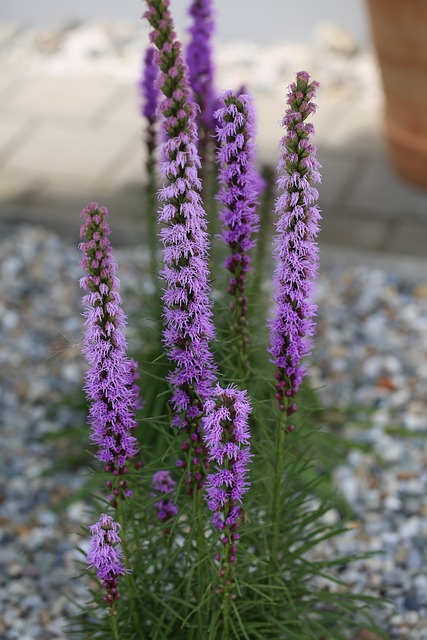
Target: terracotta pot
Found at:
399, 30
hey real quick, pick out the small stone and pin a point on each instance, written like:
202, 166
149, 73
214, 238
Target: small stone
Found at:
14, 570
392, 503
411, 601
410, 528
414, 560
419, 583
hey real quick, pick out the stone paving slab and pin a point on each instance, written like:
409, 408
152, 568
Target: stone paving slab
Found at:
54, 98
338, 173
382, 192
68, 140
12, 187
12, 128
355, 231
59, 152
408, 238
125, 112
358, 129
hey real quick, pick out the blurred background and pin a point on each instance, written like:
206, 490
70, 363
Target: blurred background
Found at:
70, 128
235, 20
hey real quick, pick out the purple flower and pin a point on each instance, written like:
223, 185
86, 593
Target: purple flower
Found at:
148, 87
201, 68
240, 181
296, 252
105, 555
187, 307
110, 381
227, 436
163, 483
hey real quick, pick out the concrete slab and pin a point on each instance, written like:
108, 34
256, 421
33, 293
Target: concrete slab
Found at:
125, 114
338, 173
382, 192
127, 171
11, 128
13, 188
57, 152
409, 239
9, 82
356, 129
352, 231
76, 98
59, 210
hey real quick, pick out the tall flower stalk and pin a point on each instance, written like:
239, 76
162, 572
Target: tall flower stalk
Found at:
238, 195
227, 438
201, 72
110, 381
150, 97
199, 56
188, 326
296, 253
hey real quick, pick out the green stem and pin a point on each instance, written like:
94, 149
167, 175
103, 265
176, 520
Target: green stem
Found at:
201, 553
240, 331
277, 489
261, 252
130, 586
226, 617
114, 624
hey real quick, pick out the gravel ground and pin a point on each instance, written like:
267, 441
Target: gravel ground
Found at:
371, 352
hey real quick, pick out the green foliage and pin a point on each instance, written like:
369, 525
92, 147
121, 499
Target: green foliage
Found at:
173, 588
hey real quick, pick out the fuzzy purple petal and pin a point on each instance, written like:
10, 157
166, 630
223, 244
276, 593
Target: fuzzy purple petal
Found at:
296, 251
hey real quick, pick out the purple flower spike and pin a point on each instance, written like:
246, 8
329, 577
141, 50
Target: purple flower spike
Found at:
163, 483
201, 68
240, 181
227, 437
148, 88
187, 307
296, 252
110, 381
106, 556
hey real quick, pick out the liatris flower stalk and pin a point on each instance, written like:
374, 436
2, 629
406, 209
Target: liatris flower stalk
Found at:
148, 88
150, 95
201, 71
239, 196
227, 439
106, 556
163, 484
187, 307
201, 76
296, 251
296, 254
110, 381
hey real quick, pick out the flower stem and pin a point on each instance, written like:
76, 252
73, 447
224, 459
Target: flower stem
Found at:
151, 204
130, 586
226, 617
277, 489
114, 625
201, 551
